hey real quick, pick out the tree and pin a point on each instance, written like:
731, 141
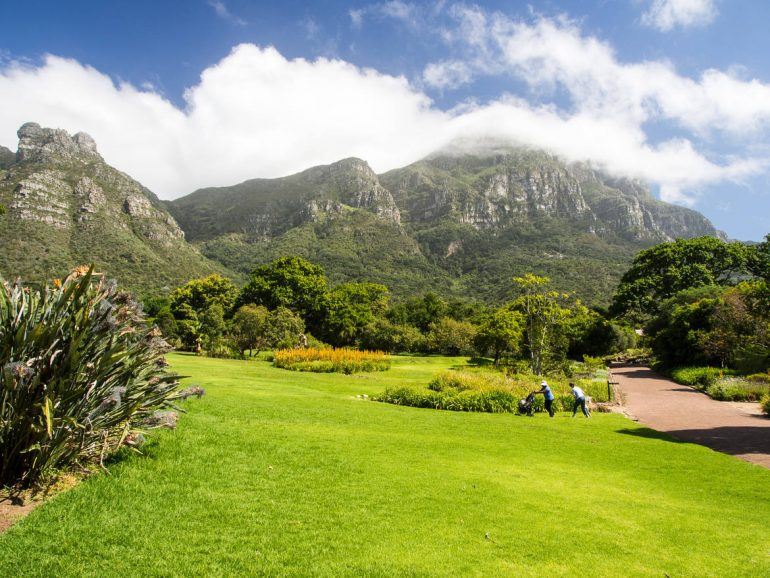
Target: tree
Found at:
451, 337
249, 328
501, 332
419, 311
200, 294
290, 282
664, 270
383, 335
166, 322
759, 260
350, 308
283, 329
212, 324
544, 314
676, 331
188, 326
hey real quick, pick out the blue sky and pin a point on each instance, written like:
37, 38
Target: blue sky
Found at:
676, 92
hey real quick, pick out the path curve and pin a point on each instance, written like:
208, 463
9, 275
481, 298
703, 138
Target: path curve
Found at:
739, 429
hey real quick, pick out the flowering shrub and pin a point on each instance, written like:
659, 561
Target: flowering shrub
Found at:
329, 360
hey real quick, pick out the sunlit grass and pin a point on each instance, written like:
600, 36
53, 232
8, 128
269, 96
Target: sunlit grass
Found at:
283, 473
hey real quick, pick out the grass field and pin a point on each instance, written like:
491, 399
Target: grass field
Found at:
283, 473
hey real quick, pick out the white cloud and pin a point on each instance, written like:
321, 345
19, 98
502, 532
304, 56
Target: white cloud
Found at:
258, 114
405, 12
556, 59
356, 17
665, 15
398, 10
224, 13
447, 74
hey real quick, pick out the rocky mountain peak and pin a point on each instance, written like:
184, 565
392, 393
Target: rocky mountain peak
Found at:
357, 185
38, 144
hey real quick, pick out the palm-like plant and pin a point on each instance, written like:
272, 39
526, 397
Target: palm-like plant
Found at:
79, 370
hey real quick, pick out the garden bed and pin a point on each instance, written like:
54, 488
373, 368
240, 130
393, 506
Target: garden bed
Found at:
490, 392
724, 384
331, 360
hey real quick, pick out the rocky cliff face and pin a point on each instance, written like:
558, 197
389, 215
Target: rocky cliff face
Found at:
265, 208
60, 180
487, 192
520, 186
66, 206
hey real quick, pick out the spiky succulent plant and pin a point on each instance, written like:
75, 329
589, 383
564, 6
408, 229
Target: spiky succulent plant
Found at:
79, 371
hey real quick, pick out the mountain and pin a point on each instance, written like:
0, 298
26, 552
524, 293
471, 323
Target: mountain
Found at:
457, 223
66, 207
338, 215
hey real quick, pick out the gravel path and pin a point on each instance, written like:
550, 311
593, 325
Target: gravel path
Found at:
739, 429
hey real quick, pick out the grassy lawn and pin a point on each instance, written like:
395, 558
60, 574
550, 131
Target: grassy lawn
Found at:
283, 473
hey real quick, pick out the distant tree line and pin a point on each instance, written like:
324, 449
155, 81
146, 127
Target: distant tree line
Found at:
291, 297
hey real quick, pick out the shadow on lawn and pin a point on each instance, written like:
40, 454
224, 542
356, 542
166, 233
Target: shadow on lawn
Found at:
733, 440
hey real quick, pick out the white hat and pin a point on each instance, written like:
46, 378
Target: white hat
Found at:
544, 382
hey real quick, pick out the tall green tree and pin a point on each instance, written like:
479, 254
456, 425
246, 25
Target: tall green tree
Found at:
283, 329
419, 311
351, 307
501, 333
249, 328
451, 337
200, 294
290, 282
545, 314
664, 270
212, 324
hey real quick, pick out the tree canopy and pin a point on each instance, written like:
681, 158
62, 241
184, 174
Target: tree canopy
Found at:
666, 269
290, 282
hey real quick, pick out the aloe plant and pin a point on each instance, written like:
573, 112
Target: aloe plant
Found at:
79, 371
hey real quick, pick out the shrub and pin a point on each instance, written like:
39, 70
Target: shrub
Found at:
700, 377
331, 360
487, 392
736, 389
759, 378
766, 403
79, 370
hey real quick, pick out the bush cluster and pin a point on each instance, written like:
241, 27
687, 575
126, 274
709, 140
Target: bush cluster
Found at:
79, 371
328, 360
723, 384
766, 403
490, 392
700, 377
736, 389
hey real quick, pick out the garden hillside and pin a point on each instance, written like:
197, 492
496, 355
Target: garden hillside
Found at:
276, 472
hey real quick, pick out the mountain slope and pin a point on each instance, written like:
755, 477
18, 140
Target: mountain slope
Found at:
460, 224
67, 207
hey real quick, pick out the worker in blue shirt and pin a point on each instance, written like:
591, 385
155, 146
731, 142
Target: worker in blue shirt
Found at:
580, 401
548, 395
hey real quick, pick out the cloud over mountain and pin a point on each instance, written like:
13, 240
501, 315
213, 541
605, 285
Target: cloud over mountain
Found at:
257, 113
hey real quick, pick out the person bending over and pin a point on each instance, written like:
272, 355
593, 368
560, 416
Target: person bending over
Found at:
548, 395
580, 401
